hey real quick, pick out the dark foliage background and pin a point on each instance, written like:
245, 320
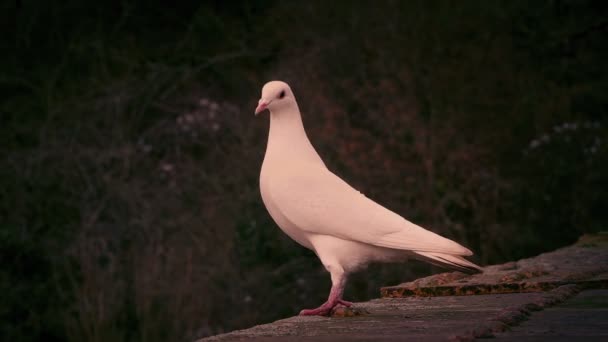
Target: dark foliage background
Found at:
129, 154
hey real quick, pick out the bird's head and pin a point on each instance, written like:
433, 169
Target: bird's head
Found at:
276, 95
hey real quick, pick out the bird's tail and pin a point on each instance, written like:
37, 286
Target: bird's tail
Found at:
450, 261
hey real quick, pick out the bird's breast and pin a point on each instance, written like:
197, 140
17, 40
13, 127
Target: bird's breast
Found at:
274, 209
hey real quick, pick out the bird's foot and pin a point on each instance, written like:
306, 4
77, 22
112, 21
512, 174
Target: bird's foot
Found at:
325, 309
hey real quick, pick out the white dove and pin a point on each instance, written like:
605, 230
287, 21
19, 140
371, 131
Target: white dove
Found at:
323, 213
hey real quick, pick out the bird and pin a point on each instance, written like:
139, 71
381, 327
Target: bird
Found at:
323, 213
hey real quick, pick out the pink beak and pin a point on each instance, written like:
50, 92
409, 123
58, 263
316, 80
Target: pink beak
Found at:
262, 105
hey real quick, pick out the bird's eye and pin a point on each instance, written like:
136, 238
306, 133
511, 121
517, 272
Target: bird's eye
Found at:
282, 94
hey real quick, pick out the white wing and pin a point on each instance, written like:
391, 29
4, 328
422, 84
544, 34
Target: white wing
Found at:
319, 202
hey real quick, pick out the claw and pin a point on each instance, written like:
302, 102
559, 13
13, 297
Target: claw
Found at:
338, 280
325, 309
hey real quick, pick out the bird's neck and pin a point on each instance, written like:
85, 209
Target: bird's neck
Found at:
287, 138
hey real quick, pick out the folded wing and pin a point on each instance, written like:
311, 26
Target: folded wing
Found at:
319, 202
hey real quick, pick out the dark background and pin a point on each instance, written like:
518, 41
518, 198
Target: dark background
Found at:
130, 155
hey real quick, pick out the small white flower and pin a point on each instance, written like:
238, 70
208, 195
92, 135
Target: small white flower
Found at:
534, 144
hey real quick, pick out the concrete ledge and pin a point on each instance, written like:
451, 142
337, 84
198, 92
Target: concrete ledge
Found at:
453, 306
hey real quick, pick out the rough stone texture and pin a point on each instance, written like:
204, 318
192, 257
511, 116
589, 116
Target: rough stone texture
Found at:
584, 264
582, 318
514, 314
423, 310
459, 318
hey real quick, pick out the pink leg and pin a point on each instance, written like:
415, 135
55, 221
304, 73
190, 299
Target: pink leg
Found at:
335, 298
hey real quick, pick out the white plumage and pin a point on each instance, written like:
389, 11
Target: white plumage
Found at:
323, 213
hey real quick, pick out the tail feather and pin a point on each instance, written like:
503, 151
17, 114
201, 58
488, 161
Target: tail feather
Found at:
450, 261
